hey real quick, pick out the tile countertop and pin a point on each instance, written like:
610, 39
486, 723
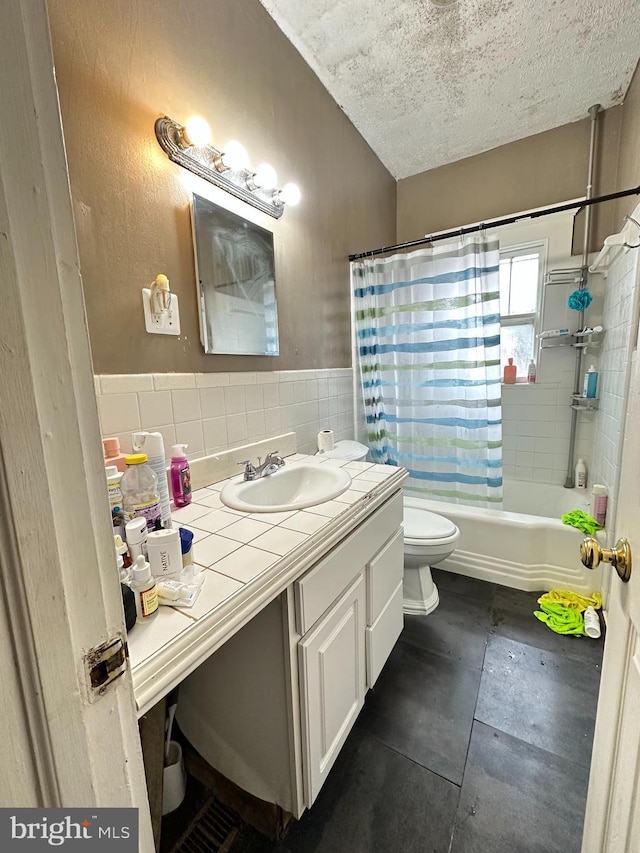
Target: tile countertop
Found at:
248, 560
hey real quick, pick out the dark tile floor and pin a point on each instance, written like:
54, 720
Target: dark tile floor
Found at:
477, 737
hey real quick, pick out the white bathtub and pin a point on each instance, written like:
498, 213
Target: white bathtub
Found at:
526, 546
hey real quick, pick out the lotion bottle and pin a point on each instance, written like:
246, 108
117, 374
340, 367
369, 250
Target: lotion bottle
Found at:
143, 585
510, 372
531, 372
581, 475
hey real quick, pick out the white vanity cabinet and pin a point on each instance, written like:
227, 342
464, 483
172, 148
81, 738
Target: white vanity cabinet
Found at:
272, 708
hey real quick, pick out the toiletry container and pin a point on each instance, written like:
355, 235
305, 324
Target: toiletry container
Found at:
581, 475
112, 453
152, 444
139, 487
180, 475
510, 372
122, 552
590, 383
165, 554
143, 586
136, 532
591, 623
186, 546
599, 501
114, 476
531, 372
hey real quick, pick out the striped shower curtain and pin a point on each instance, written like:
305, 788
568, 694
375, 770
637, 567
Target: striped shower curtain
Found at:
428, 339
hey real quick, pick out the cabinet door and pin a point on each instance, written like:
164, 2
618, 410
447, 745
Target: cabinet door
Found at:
332, 684
383, 635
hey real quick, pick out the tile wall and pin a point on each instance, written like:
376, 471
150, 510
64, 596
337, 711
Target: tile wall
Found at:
216, 411
620, 319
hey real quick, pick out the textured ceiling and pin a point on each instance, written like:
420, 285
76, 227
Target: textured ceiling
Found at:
426, 86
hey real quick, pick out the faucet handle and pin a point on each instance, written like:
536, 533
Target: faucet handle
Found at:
272, 458
249, 469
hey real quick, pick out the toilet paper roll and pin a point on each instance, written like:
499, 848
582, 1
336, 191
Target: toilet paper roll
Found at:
325, 440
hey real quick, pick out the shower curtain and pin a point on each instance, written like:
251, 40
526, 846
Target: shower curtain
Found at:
428, 341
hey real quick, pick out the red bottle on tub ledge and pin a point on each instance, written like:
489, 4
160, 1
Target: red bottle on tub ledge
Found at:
180, 475
510, 372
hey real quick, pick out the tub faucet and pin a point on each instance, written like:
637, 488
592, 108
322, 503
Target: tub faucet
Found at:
271, 463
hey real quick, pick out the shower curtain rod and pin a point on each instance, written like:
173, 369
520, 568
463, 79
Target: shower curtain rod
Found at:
497, 223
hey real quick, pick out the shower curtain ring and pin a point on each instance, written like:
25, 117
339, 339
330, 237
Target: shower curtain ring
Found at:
637, 224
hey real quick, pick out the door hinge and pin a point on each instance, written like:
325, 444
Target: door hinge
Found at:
104, 665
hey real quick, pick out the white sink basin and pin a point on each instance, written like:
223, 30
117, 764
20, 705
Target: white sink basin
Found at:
292, 487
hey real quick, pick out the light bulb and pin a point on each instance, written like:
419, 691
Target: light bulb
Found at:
235, 156
265, 177
197, 132
290, 194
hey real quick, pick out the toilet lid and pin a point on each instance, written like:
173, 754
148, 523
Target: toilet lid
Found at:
351, 450
422, 524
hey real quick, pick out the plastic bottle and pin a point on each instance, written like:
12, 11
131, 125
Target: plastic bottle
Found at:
591, 623
114, 476
112, 453
510, 373
599, 503
590, 383
122, 552
180, 475
143, 585
139, 487
581, 475
531, 372
152, 444
137, 534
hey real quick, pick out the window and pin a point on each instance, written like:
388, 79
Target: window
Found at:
521, 271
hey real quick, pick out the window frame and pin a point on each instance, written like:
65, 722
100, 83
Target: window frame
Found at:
517, 250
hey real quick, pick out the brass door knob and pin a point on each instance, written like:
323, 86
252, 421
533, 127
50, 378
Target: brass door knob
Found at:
592, 554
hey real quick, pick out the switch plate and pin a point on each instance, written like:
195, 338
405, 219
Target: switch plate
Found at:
161, 324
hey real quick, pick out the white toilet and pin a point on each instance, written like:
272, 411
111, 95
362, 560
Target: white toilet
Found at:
428, 539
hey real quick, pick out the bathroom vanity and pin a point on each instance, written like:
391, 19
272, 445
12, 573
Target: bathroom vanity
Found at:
276, 657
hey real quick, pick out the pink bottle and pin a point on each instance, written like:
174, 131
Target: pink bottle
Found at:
112, 454
180, 475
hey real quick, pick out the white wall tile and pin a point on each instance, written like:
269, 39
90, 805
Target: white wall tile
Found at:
190, 433
235, 399
118, 413
155, 408
125, 383
211, 380
237, 427
186, 405
215, 433
212, 402
173, 381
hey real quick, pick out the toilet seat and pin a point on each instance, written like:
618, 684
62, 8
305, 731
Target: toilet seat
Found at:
422, 527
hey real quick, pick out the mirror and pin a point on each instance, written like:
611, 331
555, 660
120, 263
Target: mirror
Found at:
235, 276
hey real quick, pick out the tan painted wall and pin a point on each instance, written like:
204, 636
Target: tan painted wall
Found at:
629, 156
548, 168
122, 63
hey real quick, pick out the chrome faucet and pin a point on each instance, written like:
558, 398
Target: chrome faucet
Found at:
271, 463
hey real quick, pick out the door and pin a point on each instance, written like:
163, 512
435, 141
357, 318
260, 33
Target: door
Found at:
59, 590
612, 823
332, 684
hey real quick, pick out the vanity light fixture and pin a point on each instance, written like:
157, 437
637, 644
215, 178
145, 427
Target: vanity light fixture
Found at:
189, 145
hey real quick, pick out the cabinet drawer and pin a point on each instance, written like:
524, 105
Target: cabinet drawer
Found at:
384, 573
382, 636
321, 585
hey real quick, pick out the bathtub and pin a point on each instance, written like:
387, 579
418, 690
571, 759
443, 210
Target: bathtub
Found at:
524, 546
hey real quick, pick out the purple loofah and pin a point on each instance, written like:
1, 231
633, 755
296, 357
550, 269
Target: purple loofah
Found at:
580, 299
